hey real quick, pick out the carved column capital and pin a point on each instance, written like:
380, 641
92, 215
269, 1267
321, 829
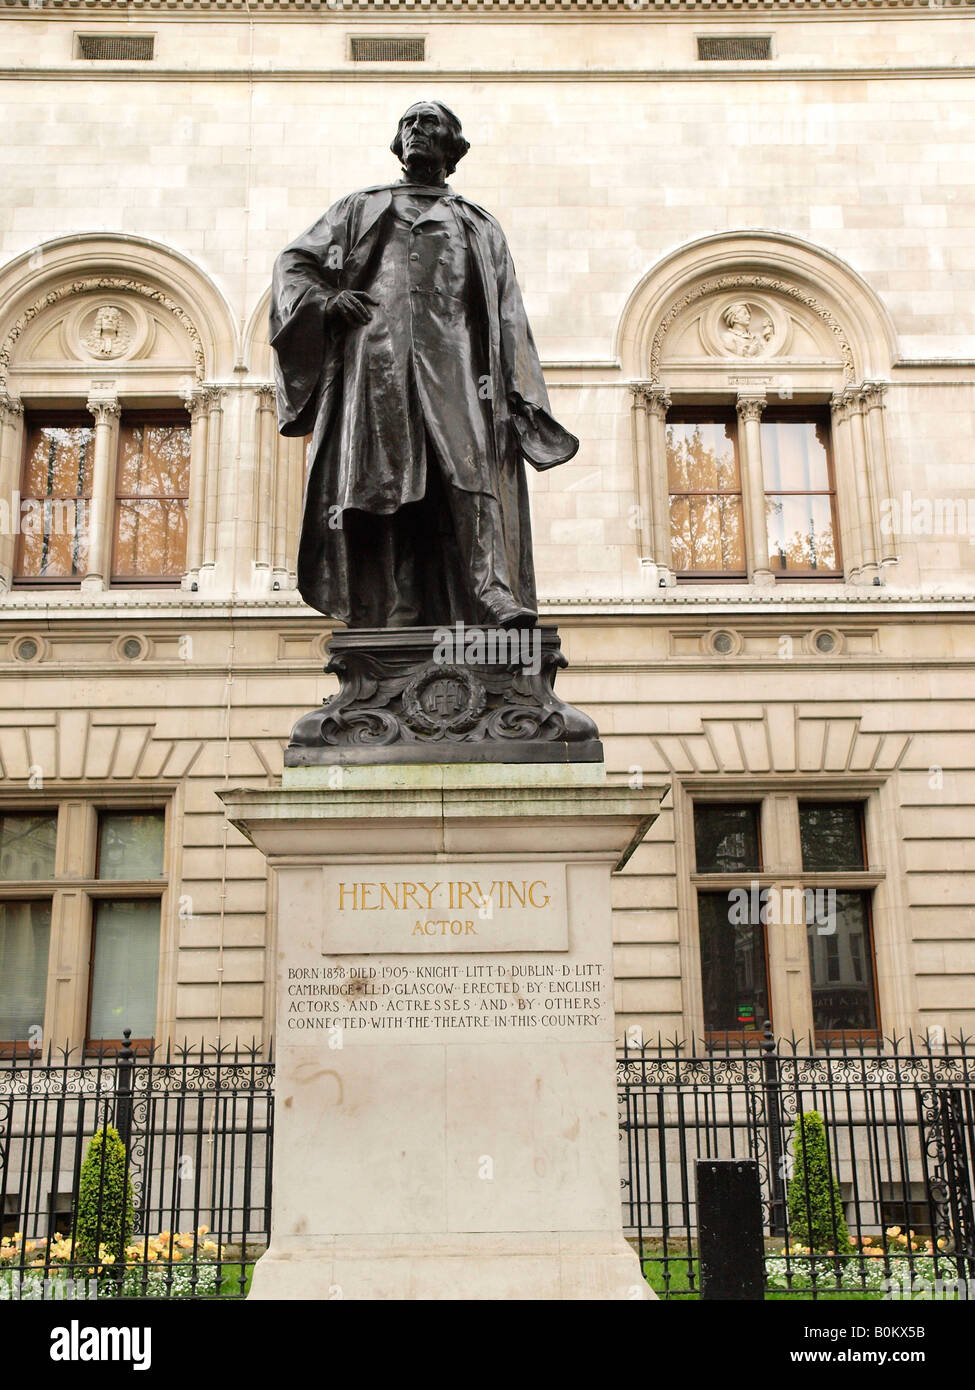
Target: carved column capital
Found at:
204, 398
104, 411
872, 394
11, 408
653, 399
266, 396
845, 403
750, 406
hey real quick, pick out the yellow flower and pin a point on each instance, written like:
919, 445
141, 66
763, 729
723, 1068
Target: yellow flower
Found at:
893, 1231
203, 1230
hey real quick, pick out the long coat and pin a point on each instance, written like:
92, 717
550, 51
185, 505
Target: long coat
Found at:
361, 395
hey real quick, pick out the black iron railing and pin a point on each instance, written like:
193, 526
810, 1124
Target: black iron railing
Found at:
174, 1199
866, 1157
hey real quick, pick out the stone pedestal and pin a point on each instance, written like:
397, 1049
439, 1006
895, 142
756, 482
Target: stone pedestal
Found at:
445, 1101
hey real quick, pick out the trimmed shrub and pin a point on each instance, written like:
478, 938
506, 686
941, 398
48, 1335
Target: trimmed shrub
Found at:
104, 1184
816, 1217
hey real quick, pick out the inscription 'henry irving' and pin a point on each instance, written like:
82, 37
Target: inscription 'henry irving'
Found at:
447, 893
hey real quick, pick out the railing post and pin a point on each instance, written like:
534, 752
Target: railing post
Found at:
124, 1063
773, 1121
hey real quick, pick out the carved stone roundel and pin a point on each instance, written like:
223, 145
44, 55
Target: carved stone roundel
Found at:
745, 325
107, 330
109, 335
443, 699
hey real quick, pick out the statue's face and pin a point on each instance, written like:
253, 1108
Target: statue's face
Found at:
424, 133
741, 316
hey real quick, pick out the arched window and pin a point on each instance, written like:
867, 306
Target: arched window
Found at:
107, 452
760, 441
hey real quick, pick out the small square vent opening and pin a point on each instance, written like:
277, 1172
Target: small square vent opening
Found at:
740, 48
388, 50
118, 48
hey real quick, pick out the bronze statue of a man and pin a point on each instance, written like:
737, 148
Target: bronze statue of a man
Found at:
402, 347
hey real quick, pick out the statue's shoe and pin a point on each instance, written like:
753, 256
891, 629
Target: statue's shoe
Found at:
511, 615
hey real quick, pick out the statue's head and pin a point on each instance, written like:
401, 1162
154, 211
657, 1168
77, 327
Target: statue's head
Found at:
108, 319
737, 316
429, 133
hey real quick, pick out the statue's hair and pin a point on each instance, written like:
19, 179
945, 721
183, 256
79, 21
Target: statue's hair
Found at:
457, 146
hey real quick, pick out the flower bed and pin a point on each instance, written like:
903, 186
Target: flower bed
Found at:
892, 1265
181, 1265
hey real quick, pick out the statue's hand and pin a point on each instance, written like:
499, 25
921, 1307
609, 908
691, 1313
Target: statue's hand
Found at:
351, 306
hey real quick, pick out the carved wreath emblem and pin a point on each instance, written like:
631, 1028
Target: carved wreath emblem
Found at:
443, 700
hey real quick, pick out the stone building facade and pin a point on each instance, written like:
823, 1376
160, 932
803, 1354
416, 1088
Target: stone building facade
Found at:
745, 239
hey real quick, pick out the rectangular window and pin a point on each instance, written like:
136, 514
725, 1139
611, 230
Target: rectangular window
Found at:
55, 492
124, 968
734, 977
151, 499
125, 931
831, 836
130, 845
27, 846
839, 933
843, 992
726, 838
114, 888
707, 535
800, 498
734, 971
25, 939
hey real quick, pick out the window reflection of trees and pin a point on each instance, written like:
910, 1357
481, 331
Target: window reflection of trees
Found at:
55, 501
707, 534
152, 487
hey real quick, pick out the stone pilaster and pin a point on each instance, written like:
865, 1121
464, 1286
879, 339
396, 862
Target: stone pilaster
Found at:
104, 407
11, 434
750, 406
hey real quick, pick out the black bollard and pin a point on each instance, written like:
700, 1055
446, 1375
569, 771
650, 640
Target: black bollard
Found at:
729, 1229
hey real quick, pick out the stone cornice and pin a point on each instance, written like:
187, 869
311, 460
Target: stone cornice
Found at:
402, 10
33, 607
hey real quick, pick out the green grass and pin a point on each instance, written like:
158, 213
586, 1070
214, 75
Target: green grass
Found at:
679, 1285
230, 1280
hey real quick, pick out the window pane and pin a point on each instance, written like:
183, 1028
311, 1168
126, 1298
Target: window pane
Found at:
154, 460
54, 509
706, 534
841, 961
27, 845
800, 533
831, 836
25, 938
732, 967
130, 845
125, 969
151, 490
726, 838
794, 457
150, 538
702, 456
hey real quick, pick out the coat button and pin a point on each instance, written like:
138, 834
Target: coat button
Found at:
414, 256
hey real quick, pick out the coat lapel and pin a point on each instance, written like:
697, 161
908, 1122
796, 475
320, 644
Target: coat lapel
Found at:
374, 206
